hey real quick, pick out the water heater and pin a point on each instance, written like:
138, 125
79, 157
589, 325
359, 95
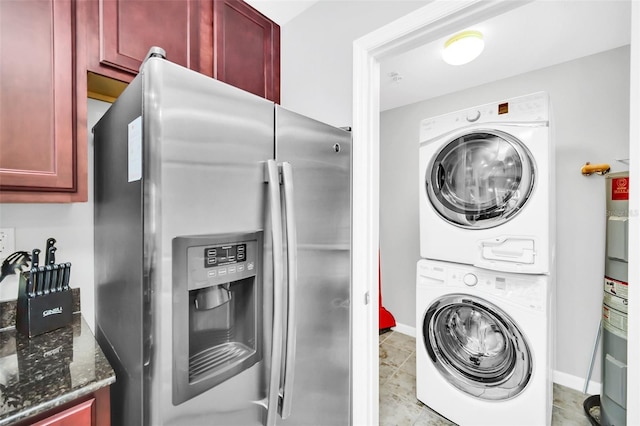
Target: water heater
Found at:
615, 303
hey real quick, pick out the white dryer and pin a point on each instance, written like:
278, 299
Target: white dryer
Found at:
484, 345
487, 186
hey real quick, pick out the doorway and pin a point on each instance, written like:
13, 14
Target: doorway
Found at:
427, 24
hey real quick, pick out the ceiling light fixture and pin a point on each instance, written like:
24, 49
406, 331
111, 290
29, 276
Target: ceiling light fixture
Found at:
463, 47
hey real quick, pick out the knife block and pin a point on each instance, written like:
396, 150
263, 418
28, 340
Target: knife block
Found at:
40, 314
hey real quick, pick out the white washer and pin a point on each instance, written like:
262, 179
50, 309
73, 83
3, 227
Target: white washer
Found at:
487, 186
484, 345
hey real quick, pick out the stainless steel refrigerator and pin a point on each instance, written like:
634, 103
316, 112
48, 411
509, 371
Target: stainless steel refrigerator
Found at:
222, 256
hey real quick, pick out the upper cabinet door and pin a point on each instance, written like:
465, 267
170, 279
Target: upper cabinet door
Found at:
37, 107
127, 29
224, 39
246, 49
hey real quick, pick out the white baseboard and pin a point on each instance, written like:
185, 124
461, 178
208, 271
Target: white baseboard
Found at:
564, 379
576, 383
405, 329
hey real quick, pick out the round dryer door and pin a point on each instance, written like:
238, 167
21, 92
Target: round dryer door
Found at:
480, 180
477, 347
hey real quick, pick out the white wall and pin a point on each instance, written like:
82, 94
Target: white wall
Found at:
70, 224
316, 54
590, 98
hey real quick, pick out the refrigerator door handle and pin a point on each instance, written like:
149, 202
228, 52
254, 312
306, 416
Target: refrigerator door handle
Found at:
292, 275
273, 391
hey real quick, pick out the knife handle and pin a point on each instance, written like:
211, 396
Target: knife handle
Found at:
67, 274
47, 251
47, 279
53, 285
51, 255
35, 258
40, 281
32, 282
60, 281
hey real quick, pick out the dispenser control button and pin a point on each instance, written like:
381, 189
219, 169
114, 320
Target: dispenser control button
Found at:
240, 268
250, 266
232, 269
470, 280
222, 272
212, 273
241, 253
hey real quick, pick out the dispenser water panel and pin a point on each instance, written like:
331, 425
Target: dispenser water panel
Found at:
217, 310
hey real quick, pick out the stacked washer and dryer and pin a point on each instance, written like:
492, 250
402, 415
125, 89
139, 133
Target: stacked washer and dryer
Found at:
485, 283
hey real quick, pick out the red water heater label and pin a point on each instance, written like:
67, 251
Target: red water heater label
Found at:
620, 188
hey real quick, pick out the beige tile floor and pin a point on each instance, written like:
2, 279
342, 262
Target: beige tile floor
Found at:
398, 403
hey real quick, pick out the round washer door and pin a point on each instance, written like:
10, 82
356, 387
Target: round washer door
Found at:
481, 179
477, 347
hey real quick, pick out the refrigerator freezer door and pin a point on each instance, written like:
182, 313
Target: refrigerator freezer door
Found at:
207, 143
320, 158
199, 170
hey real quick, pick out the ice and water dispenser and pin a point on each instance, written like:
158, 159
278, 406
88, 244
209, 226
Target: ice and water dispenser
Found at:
217, 309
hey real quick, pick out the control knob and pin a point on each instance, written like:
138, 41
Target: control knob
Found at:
470, 280
473, 116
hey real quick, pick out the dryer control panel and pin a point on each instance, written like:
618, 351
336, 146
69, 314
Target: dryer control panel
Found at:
524, 109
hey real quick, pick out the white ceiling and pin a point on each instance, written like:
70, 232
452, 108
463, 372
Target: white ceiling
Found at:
281, 11
534, 36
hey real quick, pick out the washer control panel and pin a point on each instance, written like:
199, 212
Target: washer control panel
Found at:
532, 291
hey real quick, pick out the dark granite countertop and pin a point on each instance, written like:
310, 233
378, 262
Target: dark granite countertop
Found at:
49, 370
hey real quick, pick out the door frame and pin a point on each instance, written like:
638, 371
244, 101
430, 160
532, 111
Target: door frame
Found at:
433, 21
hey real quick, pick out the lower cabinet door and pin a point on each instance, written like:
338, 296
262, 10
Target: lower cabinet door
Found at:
79, 415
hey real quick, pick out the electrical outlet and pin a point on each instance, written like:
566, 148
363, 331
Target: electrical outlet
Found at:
7, 242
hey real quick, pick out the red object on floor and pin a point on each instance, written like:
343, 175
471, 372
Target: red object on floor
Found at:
385, 318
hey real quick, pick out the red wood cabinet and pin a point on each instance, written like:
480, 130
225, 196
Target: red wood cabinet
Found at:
121, 33
48, 46
224, 39
40, 150
246, 49
79, 415
90, 410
